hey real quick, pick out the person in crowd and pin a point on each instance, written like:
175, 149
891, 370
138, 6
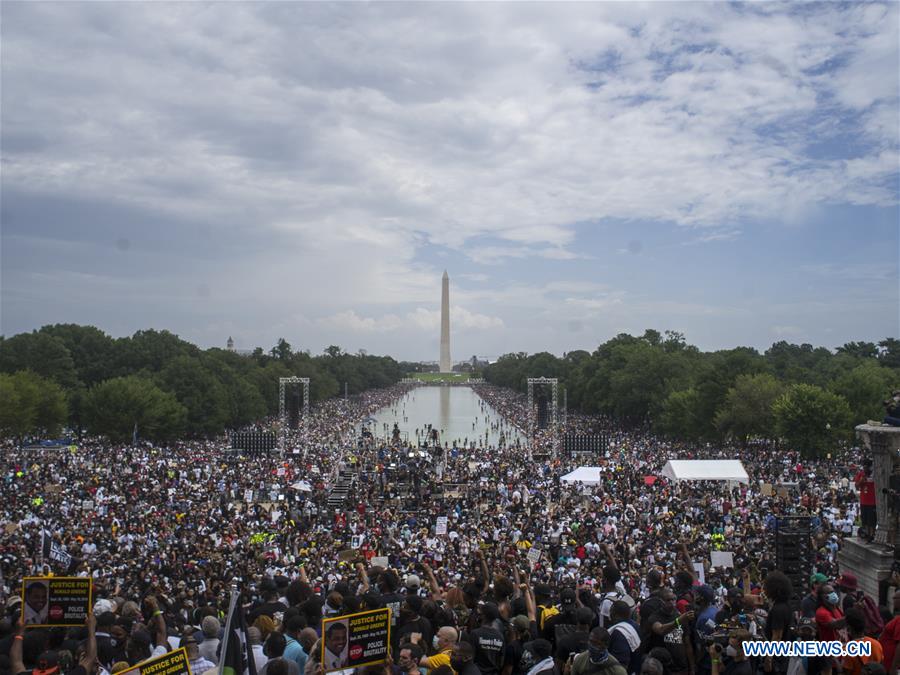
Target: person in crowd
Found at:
625, 637
197, 663
488, 644
856, 630
779, 625
810, 602
890, 637
209, 648
462, 659
733, 661
670, 630
596, 660
576, 641
865, 486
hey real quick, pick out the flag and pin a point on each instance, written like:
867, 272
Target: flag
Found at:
251, 662
233, 657
50, 550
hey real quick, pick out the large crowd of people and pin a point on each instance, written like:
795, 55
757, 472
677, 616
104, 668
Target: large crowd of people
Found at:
525, 574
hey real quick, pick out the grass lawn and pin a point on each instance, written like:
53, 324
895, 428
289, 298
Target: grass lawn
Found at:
440, 377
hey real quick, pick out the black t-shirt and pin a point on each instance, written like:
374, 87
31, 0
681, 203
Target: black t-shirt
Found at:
558, 625
738, 668
672, 642
512, 656
392, 601
808, 606
573, 643
489, 647
649, 607
418, 625
781, 616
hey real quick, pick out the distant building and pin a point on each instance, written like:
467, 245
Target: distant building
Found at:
230, 344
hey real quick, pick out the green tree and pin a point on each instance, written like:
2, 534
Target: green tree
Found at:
93, 352
282, 351
31, 404
40, 353
811, 419
889, 352
150, 351
716, 375
747, 409
678, 417
860, 350
116, 407
199, 391
864, 388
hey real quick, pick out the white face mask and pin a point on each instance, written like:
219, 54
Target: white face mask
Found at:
731, 651
434, 641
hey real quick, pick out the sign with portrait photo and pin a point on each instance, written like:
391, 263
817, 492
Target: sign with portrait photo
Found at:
356, 640
56, 601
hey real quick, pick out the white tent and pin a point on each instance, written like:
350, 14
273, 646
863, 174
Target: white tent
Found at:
705, 469
589, 475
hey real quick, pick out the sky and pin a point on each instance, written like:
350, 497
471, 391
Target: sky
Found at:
309, 170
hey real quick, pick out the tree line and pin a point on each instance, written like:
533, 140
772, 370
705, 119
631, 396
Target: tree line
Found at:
67, 375
808, 396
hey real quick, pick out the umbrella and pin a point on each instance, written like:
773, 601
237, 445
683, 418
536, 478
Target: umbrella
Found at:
302, 485
649, 480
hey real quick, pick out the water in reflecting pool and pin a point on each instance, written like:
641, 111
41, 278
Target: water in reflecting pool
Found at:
458, 413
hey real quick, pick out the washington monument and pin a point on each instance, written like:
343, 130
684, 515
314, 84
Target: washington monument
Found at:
446, 365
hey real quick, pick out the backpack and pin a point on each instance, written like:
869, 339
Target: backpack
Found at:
616, 596
546, 614
874, 622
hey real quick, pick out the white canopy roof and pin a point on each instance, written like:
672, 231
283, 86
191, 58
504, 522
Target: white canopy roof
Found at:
705, 469
589, 475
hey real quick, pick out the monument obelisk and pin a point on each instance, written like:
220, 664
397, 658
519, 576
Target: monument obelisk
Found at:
446, 365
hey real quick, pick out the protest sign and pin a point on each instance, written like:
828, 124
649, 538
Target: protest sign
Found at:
347, 555
356, 640
700, 572
56, 601
722, 559
380, 561
171, 663
441, 525
534, 556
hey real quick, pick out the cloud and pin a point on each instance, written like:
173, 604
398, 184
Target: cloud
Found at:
517, 135
715, 235
493, 255
420, 318
268, 168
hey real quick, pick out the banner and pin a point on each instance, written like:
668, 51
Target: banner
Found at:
56, 601
356, 639
171, 663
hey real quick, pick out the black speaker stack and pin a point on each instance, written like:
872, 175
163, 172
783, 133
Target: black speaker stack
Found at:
584, 443
254, 442
794, 554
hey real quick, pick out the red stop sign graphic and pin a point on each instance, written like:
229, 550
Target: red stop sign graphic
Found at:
356, 652
56, 612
